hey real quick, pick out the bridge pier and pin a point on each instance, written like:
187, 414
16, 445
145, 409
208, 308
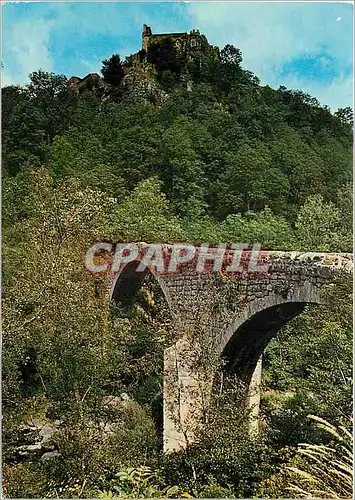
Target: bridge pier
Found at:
252, 403
186, 396
186, 393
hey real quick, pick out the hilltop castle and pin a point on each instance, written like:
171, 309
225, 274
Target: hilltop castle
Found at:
186, 44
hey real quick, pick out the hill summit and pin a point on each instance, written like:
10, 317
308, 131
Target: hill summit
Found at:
162, 57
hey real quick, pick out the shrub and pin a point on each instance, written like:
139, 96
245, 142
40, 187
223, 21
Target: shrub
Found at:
225, 460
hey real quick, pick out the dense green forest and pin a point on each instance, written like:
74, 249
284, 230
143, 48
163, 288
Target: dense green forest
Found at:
223, 159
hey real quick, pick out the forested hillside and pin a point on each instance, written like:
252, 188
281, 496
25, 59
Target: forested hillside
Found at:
224, 146
220, 159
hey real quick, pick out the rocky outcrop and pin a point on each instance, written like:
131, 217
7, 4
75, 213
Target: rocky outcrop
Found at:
140, 79
92, 82
36, 439
140, 84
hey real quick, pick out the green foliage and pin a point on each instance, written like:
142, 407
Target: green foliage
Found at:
167, 61
214, 490
141, 482
257, 181
225, 459
112, 70
226, 146
231, 55
23, 481
308, 368
202, 229
345, 115
144, 216
184, 174
227, 73
34, 116
325, 471
52, 308
89, 459
271, 231
317, 226
317, 470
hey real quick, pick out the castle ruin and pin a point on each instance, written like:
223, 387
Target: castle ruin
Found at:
183, 41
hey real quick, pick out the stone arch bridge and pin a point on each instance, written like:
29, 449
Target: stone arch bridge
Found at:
225, 315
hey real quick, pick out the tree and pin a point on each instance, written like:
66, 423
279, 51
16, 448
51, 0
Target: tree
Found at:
55, 310
271, 231
317, 226
251, 181
33, 116
10, 97
51, 94
307, 368
164, 56
24, 139
167, 61
112, 70
345, 115
299, 161
145, 216
184, 171
231, 55
228, 73
318, 470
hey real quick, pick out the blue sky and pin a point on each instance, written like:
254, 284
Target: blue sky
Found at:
299, 45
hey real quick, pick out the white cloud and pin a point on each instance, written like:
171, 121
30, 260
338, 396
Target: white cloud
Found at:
25, 49
272, 34
28, 38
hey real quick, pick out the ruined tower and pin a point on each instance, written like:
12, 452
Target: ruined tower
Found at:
146, 34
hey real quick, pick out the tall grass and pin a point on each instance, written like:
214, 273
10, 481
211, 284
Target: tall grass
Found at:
324, 471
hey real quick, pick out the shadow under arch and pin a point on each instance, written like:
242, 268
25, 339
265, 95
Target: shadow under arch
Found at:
252, 329
128, 282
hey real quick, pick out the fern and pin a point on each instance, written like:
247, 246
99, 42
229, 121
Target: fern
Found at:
141, 482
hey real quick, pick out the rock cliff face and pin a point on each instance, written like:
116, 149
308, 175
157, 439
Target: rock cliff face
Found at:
35, 439
92, 82
140, 84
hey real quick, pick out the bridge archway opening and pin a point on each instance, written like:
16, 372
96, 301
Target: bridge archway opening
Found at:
127, 284
249, 341
242, 356
143, 290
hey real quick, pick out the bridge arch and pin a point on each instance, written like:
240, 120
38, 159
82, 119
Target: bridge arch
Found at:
126, 284
249, 334
124, 289
250, 331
